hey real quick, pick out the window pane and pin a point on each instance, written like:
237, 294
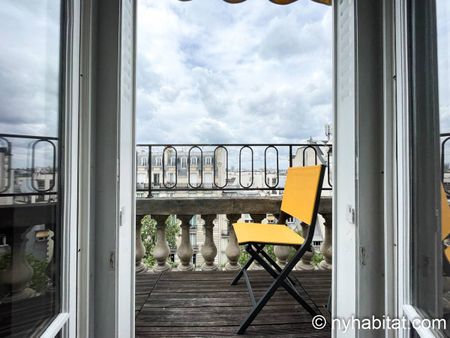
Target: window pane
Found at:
443, 37
29, 165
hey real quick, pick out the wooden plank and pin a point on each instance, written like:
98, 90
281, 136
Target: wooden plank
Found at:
200, 304
276, 330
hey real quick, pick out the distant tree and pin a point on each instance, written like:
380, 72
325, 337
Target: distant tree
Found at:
245, 256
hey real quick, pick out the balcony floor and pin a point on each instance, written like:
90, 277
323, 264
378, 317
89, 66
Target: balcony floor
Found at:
203, 304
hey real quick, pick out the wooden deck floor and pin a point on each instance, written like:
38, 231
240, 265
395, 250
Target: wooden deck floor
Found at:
203, 304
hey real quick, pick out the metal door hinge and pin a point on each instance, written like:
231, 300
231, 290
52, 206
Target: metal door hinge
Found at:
362, 255
121, 217
350, 214
112, 260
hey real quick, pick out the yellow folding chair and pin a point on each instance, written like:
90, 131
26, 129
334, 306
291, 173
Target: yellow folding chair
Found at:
300, 200
445, 231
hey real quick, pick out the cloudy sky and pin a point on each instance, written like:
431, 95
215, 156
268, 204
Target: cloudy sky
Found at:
443, 17
212, 72
207, 71
29, 67
29, 76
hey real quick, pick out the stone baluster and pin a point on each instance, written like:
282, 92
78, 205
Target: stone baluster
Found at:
305, 261
50, 270
184, 250
161, 250
326, 247
209, 249
232, 250
140, 248
257, 218
281, 251
17, 276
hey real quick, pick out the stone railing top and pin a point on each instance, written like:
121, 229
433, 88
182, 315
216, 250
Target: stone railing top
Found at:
216, 205
26, 215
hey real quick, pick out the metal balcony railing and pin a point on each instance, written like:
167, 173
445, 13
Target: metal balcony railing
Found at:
445, 161
225, 167
28, 165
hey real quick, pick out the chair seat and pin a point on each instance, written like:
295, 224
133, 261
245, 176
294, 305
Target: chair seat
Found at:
276, 234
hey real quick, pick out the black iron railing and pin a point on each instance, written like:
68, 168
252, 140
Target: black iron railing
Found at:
23, 158
445, 161
230, 167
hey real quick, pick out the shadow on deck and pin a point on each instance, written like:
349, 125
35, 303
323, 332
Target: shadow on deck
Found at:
203, 304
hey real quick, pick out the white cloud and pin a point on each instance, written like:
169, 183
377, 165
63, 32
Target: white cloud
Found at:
29, 67
213, 72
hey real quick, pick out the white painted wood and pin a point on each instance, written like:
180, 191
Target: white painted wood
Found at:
369, 150
86, 188
127, 196
114, 222
412, 315
403, 177
67, 319
406, 113
70, 220
344, 157
390, 165
56, 326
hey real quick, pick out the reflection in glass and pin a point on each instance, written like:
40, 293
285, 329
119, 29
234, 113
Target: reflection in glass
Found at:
443, 39
29, 166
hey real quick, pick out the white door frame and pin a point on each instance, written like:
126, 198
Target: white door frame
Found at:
66, 320
107, 150
358, 269
404, 264
344, 159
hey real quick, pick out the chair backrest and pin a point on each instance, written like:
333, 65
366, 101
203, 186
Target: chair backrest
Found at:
302, 192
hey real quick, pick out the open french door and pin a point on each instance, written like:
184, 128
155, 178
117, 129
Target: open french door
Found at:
39, 167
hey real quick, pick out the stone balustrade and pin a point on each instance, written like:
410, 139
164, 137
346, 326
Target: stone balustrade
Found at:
212, 211
17, 223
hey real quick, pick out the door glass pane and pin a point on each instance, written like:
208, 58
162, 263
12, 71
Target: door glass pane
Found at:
443, 39
430, 120
30, 146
